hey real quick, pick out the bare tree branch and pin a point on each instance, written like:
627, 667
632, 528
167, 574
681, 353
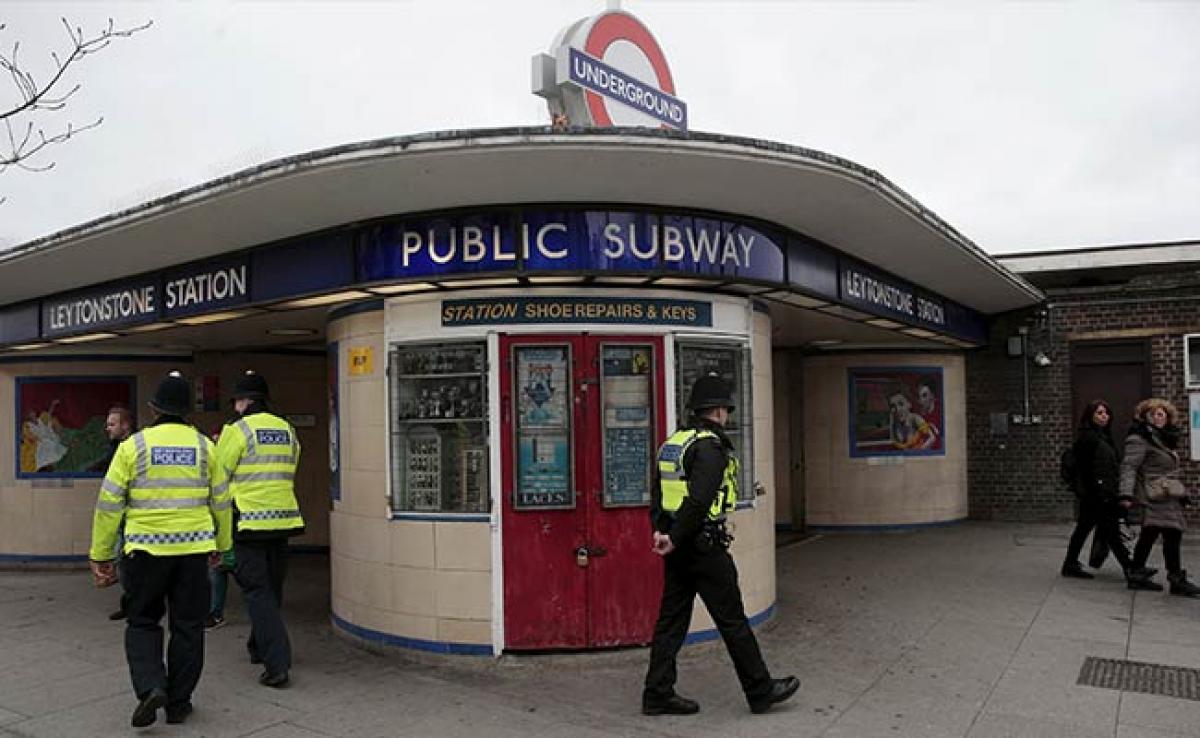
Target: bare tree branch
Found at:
24, 138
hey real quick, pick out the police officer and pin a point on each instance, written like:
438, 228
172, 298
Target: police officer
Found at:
260, 452
164, 485
697, 482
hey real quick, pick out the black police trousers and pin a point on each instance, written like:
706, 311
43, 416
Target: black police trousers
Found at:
177, 586
714, 577
260, 570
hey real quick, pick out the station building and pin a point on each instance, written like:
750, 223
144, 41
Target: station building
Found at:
481, 338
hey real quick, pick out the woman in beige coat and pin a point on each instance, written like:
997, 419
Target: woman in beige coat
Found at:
1150, 458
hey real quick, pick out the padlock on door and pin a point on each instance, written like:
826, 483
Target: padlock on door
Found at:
581, 557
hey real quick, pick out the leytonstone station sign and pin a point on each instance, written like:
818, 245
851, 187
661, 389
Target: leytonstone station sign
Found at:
608, 70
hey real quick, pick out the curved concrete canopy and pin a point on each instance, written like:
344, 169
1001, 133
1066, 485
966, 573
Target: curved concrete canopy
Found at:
850, 208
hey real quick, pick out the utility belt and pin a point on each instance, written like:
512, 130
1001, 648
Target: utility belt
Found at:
712, 536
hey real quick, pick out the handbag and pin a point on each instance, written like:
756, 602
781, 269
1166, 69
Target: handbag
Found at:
1165, 488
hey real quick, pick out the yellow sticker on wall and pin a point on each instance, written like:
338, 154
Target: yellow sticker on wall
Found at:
362, 360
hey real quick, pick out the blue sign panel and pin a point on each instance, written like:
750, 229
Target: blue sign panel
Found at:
504, 310
966, 323
585, 241
173, 456
812, 268
19, 323
273, 437
301, 267
130, 302
207, 287
592, 74
885, 295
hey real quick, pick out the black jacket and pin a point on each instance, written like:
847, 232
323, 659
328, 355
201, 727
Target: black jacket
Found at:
1098, 465
704, 466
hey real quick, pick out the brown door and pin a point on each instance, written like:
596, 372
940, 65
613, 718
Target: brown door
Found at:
1116, 371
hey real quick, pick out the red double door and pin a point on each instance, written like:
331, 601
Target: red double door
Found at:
582, 418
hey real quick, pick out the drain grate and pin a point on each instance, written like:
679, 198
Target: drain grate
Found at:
1136, 676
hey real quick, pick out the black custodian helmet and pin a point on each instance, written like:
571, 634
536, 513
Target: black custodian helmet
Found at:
251, 386
173, 396
709, 391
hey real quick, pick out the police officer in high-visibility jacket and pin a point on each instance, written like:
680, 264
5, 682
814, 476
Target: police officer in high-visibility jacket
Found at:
165, 486
696, 486
260, 452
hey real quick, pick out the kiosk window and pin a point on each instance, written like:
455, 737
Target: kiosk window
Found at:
731, 362
439, 427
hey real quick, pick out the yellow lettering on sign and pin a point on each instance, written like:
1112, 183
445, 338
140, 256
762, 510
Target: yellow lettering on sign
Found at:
362, 360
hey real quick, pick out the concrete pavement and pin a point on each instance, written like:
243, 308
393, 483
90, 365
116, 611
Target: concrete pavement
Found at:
960, 631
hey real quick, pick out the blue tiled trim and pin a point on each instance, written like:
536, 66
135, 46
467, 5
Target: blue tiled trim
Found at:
418, 644
884, 527
703, 636
346, 311
473, 649
458, 518
44, 559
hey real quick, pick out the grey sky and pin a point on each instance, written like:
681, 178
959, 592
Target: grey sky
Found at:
1024, 125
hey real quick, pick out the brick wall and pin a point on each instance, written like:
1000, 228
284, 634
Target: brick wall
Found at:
1014, 475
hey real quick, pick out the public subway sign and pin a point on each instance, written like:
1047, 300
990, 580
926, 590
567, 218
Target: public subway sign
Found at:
885, 295
524, 310
578, 241
608, 70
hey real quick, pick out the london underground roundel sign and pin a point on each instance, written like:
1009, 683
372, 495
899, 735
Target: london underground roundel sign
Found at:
608, 70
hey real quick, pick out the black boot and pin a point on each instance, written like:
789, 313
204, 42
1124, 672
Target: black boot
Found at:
673, 705
1137, 577
1181, 586
781, 689
1075, 569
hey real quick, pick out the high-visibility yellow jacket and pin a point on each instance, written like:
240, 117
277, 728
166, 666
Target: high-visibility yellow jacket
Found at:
673, 477
165, 484
260, 453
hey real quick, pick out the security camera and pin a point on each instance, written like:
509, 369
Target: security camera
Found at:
1041, 359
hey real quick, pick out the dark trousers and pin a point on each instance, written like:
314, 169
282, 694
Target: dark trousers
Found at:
178, 586
1101, 516
260, 570
714, 577
1171, 540
123, 578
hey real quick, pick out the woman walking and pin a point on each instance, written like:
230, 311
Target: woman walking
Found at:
1148, 472
1100, 507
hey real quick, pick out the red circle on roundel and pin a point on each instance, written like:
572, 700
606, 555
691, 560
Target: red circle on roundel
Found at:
619, 26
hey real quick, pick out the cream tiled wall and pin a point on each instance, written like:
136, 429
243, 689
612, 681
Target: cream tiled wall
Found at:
53, 518
421, 579
841, 490
754, 528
